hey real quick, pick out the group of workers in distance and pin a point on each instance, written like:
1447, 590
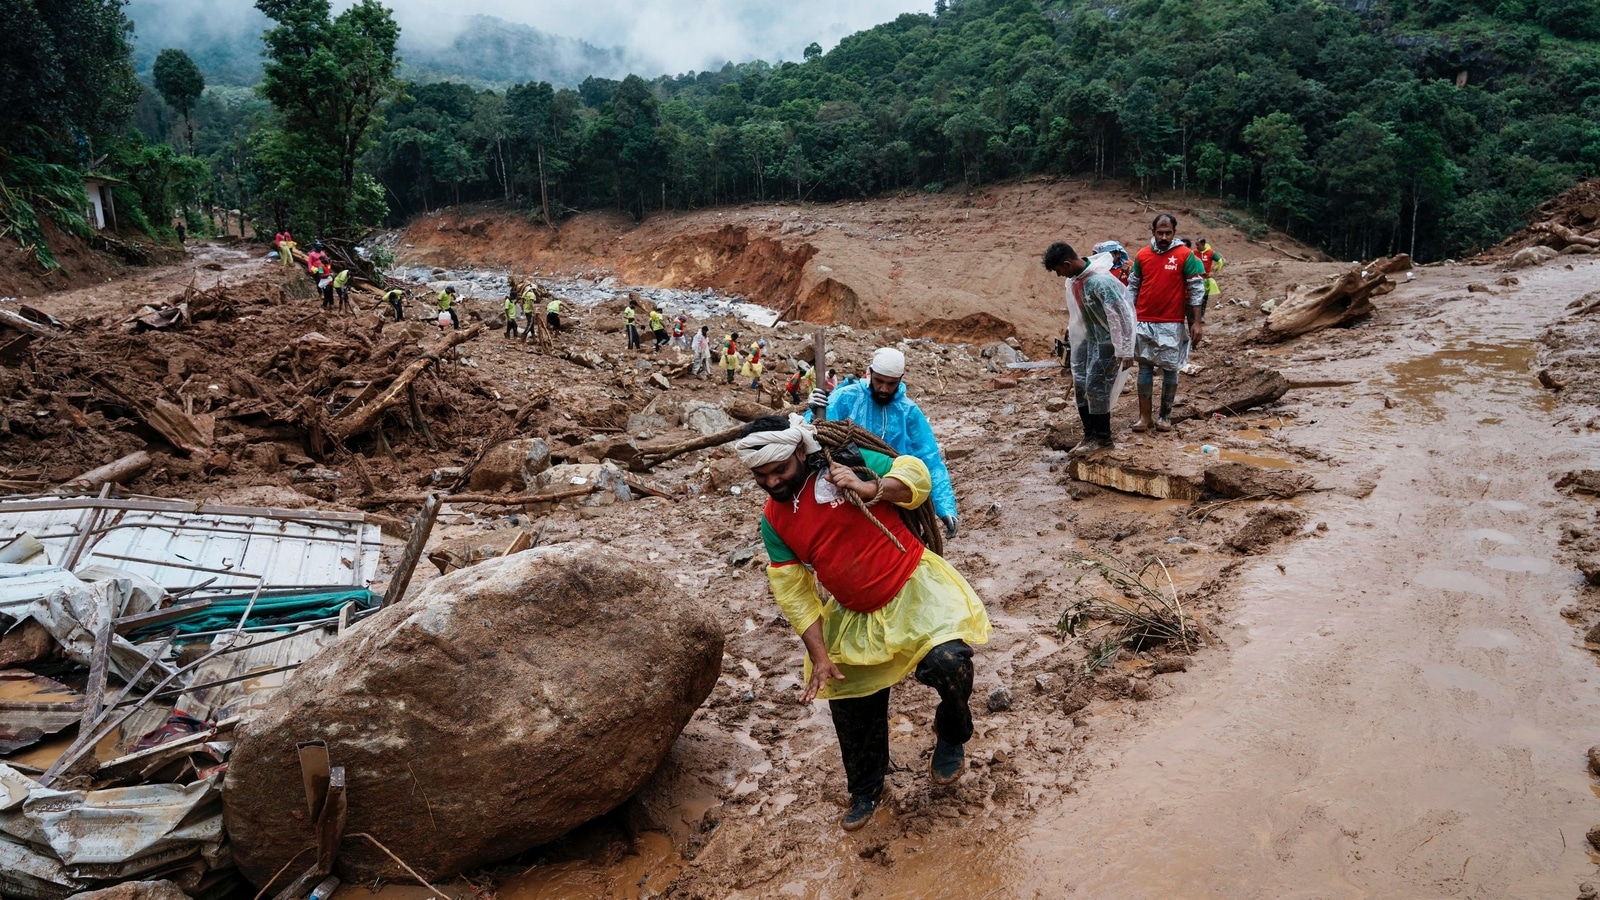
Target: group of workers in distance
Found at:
894, 607
334, 286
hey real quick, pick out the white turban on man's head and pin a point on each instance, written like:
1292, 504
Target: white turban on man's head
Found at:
767, 447
889, 362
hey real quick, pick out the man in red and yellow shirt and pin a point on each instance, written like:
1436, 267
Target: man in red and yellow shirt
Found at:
1167, 287
894, 611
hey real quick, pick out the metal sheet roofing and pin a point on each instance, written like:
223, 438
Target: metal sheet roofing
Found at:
182, 545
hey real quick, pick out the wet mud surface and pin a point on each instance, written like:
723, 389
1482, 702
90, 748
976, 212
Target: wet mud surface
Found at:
1391, 695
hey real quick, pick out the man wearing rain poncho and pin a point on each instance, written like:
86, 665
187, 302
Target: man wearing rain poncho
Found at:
894, 611
1100, 329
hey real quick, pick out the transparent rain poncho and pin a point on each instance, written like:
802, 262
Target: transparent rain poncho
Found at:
1088, 335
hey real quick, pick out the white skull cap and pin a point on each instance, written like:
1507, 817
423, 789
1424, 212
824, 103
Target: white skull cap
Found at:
889, 362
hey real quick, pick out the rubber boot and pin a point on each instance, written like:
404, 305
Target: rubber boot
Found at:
1145, 417
1164, 421
1088, 444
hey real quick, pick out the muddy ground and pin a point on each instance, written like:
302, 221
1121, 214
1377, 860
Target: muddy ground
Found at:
1385, 698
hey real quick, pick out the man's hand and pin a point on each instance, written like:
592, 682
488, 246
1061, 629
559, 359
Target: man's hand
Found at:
1195, 334
818, 400
822, 671
951, 525
845, 480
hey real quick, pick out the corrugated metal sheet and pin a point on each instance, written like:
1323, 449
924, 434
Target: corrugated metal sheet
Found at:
114, 833
214, 704
182, 545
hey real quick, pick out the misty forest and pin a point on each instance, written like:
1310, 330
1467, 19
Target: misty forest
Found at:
1365, 127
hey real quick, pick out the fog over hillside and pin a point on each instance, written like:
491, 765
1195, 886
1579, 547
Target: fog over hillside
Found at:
561, 41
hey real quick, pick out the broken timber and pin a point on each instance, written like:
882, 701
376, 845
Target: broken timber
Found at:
362, 420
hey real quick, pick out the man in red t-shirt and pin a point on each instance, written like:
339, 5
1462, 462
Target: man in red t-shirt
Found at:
1167, 287
897, 608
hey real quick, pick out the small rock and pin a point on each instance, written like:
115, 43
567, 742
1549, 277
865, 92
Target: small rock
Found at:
1056, 404
1141, 691
1170, 664
1594, 760
1478, 287
660, 381
1000, 699
1047, 682
1594, 837
1002, 384
1571, 612
1586, 891
1593, 636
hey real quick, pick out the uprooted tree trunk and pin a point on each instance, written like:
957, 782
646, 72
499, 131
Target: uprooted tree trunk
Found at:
1562, 236
362, 420
1346, 299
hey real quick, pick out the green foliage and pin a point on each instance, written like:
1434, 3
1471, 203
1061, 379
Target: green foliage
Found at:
178, 79
65, 79
180, 83
1415, 125
329, 78
31, 192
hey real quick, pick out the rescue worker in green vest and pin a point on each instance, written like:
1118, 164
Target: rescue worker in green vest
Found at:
395, 298
1213, 262
1166, 287
630, 320
530, 304
447, 305
509, 309
341, 286
552, 314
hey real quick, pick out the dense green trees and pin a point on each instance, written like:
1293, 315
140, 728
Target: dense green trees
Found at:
1367, 127
180, 83
329, 78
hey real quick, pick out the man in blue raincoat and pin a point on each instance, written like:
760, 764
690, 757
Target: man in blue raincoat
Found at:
880, 405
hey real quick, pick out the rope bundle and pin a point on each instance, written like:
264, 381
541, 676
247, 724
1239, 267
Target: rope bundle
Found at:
924, 525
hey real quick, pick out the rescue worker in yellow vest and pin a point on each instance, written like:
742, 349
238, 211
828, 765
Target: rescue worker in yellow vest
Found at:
395, 298
552, 314
341, 286
447, 306
630, 321
509, 310
530, 306
730, 355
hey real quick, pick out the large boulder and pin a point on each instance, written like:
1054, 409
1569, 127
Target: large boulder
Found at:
511, 464
706, 418
503, 706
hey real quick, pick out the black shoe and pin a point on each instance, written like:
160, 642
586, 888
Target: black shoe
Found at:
861, 810
948, 761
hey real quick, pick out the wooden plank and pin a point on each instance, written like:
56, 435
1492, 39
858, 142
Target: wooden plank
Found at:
413, 552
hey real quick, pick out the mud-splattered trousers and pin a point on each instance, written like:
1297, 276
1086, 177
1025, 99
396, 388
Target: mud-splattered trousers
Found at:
862, 723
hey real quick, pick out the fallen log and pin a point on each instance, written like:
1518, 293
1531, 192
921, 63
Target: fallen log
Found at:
12, 320
1564, 234
1339, 302
1232, 391
115, 472
363, 419
485, 499
650, 458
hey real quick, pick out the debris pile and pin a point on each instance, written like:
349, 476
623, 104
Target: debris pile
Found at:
136, 632
1568, 223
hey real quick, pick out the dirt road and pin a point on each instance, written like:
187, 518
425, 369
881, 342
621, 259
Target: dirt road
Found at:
1404, 712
